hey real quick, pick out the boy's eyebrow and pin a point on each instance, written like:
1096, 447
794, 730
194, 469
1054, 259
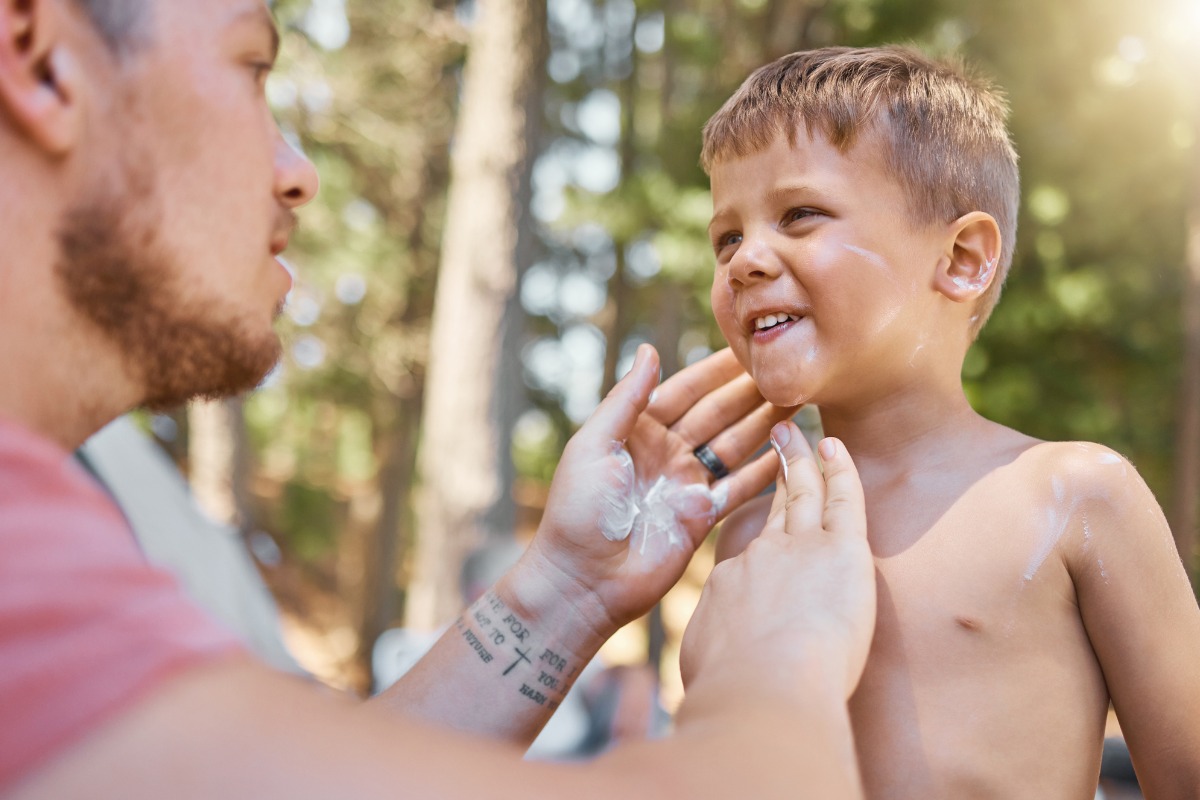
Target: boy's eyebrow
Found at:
716, 218
781, 193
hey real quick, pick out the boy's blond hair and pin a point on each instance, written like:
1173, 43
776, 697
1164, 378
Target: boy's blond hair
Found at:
943, 130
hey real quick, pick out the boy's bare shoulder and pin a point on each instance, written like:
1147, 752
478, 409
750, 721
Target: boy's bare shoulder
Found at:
1098, 487
1081, 471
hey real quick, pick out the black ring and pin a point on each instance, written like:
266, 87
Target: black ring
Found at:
710, 461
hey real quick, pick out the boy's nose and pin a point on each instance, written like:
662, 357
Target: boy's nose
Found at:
754, 261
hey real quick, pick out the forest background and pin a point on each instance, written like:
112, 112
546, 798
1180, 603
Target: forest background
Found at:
511, 202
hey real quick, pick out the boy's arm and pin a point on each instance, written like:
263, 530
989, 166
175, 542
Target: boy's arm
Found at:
1144, 625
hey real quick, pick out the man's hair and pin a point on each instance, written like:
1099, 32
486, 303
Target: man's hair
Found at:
943, 130
121, 23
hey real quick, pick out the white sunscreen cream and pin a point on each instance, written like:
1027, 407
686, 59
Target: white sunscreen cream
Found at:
652, 515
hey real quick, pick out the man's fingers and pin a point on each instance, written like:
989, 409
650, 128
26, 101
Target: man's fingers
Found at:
739, 441
718, 409
614, 418
746, 483
805, 488
687, 387
845, 509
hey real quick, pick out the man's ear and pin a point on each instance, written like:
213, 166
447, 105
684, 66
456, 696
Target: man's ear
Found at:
39, 75
972, 257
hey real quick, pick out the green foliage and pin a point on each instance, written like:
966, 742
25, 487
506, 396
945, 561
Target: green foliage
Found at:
368, 92
1085, 343
309, 515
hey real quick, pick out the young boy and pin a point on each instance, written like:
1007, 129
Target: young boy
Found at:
865, 207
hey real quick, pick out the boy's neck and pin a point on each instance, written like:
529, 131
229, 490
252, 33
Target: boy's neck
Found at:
906, 432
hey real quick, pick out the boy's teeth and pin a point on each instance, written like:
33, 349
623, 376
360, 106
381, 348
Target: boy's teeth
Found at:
771, 320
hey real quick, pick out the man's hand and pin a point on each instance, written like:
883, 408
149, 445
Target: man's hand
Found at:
630, 502
800, 601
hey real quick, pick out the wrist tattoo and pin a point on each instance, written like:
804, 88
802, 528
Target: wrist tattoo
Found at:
496, 633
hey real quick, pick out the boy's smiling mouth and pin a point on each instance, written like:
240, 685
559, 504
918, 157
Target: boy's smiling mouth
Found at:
772, 320
762, 318
765, 326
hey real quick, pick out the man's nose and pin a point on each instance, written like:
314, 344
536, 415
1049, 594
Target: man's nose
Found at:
296, 180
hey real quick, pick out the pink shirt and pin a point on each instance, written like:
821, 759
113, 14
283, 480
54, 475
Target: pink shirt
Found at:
87, 627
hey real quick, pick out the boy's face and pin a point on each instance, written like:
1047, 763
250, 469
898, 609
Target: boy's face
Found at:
823, 278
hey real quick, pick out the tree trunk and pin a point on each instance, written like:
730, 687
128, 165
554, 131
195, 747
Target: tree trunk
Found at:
465, 458
398, 414
219, 459
393, 530
619, 313
1187, 456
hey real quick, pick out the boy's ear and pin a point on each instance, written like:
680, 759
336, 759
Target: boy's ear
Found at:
970, 264
39, 75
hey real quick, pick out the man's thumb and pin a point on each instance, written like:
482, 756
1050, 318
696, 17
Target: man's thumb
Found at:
617, 413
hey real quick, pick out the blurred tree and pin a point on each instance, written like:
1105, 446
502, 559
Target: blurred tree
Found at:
369, 90
221, 461
1087, 343
472, 396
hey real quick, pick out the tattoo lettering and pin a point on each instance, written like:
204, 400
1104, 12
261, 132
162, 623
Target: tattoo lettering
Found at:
477, 646
533, 694
554, 660
517, 627
543, 679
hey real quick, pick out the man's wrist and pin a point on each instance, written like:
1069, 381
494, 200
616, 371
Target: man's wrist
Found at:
561, 610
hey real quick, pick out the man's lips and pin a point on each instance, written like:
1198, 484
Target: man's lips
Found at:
285, 225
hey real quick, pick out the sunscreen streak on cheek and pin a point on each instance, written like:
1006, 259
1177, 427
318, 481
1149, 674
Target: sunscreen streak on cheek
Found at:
912, 360
881, 264
875, 260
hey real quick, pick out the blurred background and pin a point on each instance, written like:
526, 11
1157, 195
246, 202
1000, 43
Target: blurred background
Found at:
511, 202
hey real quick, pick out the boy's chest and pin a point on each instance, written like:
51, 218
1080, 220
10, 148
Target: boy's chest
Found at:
964, 574
980, 660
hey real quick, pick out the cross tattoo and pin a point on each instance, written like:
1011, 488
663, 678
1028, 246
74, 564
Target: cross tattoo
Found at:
524, 656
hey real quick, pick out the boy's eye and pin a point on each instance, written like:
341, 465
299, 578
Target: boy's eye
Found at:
726, 239
797, 214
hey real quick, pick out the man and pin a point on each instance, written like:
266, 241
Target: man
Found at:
146, 194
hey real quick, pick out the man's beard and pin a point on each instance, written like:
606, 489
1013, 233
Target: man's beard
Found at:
116, 273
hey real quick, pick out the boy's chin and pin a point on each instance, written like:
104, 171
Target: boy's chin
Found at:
783, 393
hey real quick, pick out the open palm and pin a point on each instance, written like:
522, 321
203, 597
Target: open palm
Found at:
630, 502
